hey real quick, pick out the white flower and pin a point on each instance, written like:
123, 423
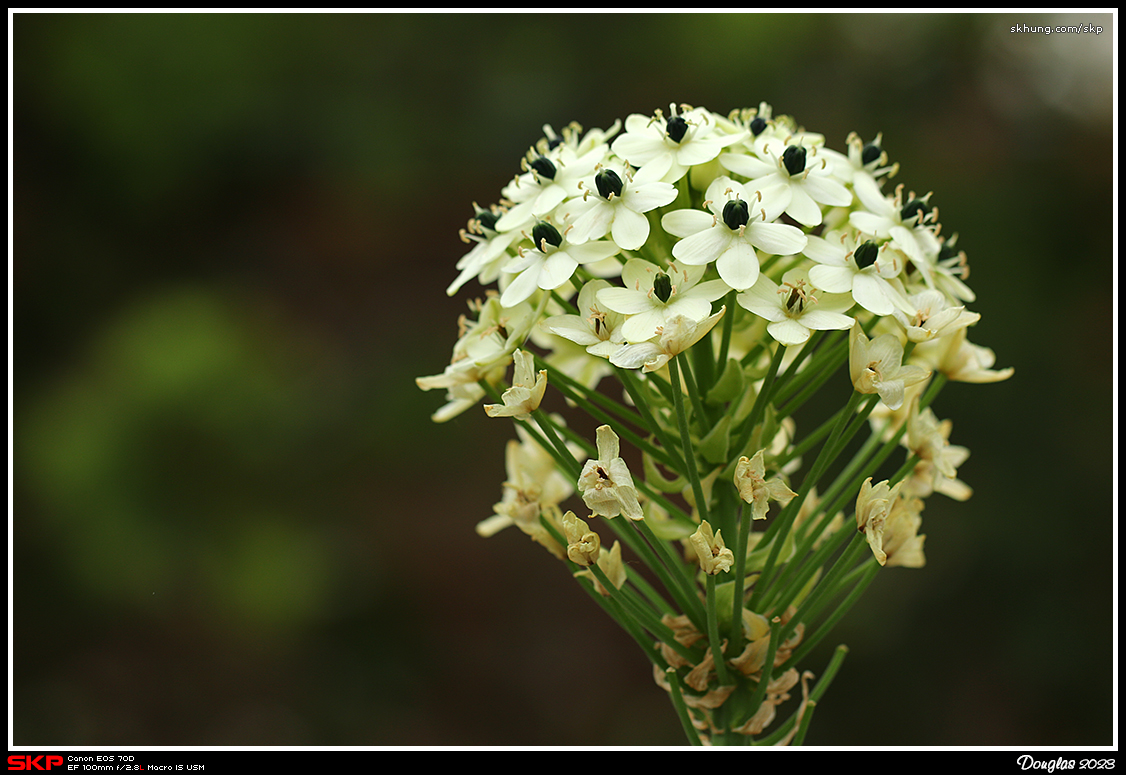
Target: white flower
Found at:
850, 263
793, 175
606, 484
600, 331
526, 393
615, 205
550, 178
875, 367
664, 149
489, 254
909, 226
934, 317
729, 235
550, 264
650, 296
676, 335
794, 311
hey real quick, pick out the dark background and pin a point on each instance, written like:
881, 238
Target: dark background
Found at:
234, 522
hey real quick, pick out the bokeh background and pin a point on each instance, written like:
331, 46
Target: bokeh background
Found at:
233, 521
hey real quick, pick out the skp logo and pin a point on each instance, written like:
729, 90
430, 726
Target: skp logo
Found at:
17, 762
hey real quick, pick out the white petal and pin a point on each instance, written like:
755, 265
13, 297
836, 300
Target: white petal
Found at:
869, 294
828, 191
520, 288
777, 238
639, 148
589, 252
634, 356
834, 279
630, 229
643, 198
802, 208
557, 269
684, 223
704, 247
789, 332
593, 224
824, 252
625, 300
643, 326
824, 320
738, 265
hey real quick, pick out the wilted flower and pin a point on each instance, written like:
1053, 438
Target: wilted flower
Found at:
606, 484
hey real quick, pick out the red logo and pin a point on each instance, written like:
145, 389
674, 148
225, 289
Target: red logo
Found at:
17, 762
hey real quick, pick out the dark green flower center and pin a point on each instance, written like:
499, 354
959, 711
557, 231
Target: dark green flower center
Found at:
736, 214
545, 231
866, 254
914, 207
793, 158
608, 183
543, 167
487, 219
870, 153
662, 287
758, 125
676, 127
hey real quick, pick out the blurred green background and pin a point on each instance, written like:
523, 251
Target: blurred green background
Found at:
235, 524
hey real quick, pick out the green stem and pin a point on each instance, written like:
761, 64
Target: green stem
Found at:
725, 338
677, 696
761, 400
713, 632
743, 520
686, 441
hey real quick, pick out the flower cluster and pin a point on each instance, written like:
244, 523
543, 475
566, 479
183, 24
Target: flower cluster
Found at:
720, 270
